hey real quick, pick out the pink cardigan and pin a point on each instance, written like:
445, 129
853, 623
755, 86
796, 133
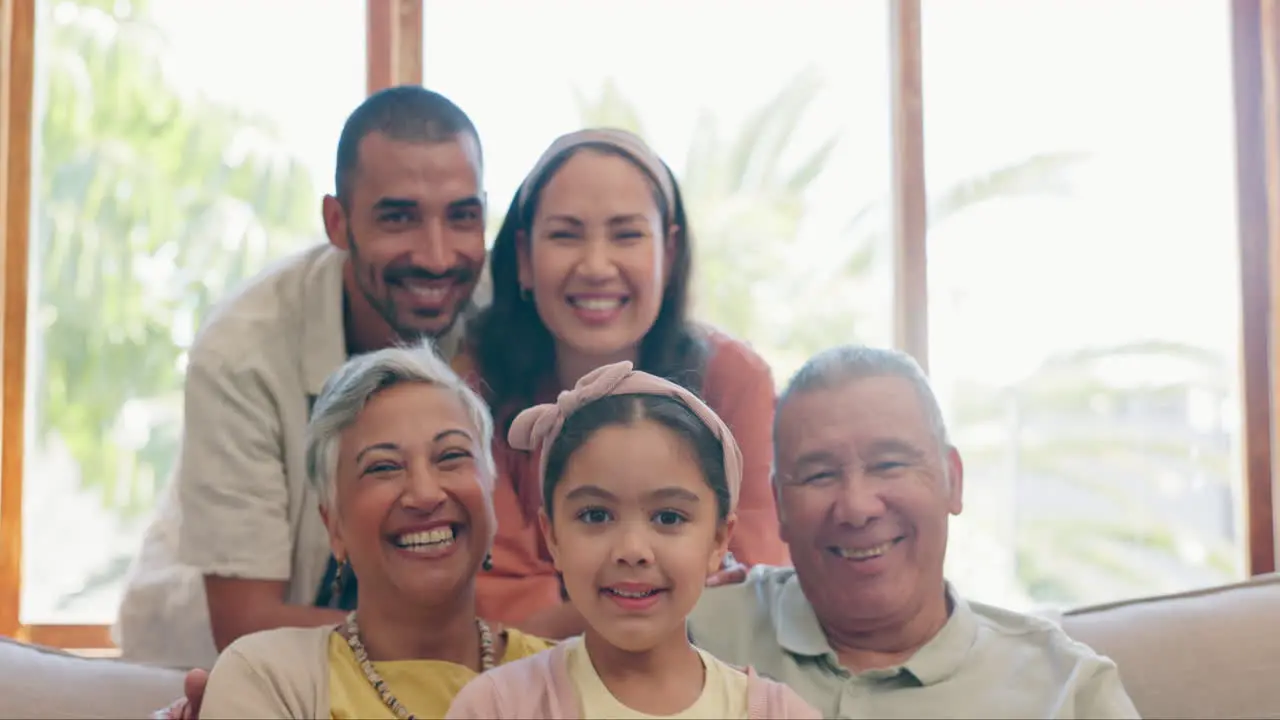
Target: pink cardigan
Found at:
538, 688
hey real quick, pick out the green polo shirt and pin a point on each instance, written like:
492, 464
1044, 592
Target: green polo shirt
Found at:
986, 662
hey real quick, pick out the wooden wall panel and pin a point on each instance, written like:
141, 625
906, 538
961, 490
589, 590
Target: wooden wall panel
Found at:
394, 36
1263, 489
910, 201
17, 62
1259, 250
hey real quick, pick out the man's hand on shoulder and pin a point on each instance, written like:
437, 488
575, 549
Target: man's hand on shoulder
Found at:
187, 708
732, 573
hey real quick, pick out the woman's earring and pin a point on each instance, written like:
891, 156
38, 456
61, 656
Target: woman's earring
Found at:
526, 294
488, 562
339, 579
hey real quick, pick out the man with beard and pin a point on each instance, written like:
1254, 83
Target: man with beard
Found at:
238, 546
865, 625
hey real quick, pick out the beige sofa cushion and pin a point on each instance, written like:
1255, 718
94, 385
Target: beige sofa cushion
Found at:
38, 682
1207, 654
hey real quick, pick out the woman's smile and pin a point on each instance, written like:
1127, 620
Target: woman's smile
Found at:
431, 542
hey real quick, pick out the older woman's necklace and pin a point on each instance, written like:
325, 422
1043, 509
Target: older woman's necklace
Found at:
487, 662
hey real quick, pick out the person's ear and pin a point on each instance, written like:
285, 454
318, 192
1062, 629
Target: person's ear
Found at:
336, 544
549, 534
336, 225
955, 481
724, 533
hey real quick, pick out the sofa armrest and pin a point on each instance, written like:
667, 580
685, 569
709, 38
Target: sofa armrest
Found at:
39, 682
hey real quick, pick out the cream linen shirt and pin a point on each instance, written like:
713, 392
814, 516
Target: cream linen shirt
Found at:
986, 662
239, 504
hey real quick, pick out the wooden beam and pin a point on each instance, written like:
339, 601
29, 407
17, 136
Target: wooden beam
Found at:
394, 38
69, 637
910, 201
1258, 247
1265, 492
17, 62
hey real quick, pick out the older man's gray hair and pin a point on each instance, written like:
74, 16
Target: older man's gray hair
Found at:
348, 390
838, 366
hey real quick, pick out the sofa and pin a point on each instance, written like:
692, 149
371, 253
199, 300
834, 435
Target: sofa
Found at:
1211, 653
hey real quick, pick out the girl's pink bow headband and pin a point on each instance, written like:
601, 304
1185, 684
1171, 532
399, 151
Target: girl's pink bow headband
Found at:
538, 426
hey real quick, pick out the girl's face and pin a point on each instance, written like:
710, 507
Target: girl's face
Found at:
596, 257
635, 534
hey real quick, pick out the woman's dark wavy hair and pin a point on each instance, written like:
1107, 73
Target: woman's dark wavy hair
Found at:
514, 351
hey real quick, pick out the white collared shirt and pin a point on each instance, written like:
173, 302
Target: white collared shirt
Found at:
239, 504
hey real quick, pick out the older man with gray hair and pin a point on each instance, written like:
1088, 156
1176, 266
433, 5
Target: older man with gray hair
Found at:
865, 625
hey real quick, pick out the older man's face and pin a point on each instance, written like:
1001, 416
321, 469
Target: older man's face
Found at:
865, 490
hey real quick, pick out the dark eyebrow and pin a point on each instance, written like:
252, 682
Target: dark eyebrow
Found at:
466, 203
565, 218
590, 491
598, 493
674, 493
624, 219
615, 220
393, 203
376, 446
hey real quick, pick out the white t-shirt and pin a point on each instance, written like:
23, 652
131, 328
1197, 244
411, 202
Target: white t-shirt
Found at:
239, 504
724, 690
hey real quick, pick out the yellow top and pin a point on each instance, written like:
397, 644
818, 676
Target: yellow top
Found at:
724, 691
425, 687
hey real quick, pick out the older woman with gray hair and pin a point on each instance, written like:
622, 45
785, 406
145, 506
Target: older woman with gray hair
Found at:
399, 449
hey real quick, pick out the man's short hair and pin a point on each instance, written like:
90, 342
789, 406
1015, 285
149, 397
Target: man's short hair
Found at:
838, 366
407, 113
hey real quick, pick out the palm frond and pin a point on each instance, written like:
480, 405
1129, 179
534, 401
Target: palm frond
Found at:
1042, 174
608, 108
766, 141
812, 167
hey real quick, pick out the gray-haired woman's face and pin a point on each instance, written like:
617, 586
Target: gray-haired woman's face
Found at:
411, 512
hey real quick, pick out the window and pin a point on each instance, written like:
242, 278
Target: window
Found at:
1085, 327
776, 124
166, 172
1084, 264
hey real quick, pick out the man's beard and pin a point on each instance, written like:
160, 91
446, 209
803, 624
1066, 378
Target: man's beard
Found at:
458, 275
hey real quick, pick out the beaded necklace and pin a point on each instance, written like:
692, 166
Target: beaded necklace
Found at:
487, 662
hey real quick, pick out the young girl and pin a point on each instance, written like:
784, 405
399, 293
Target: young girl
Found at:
639, 481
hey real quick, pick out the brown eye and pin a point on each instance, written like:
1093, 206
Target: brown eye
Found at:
669, 518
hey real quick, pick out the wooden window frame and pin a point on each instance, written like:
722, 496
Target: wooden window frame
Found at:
17, 77
910, 199
1255, 47
394, 35
393, 57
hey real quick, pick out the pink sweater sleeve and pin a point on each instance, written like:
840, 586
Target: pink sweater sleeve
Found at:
770, 699
532, 688
477, 700
739, 387
793, 706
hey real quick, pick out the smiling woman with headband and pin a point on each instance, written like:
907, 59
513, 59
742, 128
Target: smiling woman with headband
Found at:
592, 266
